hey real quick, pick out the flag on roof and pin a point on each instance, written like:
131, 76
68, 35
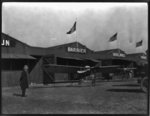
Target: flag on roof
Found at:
138, 44
113, 38
73, 29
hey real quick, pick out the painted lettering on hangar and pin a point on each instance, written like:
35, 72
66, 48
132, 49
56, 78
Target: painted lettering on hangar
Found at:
7, 43
77, 50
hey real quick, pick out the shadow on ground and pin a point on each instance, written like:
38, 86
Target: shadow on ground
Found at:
61, 86
17, 94
64, 86
128, 85
125, 90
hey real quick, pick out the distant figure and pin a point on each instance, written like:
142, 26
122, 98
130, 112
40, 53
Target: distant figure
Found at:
107, 76
131, 74
93, 78
111, 76
24, 80
80, 81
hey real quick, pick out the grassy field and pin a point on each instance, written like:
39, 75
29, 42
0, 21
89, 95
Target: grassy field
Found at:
122, 97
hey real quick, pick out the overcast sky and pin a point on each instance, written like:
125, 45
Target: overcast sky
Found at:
46, 24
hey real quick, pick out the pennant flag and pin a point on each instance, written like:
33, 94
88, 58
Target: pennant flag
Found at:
113, 38
138, 44
73, 29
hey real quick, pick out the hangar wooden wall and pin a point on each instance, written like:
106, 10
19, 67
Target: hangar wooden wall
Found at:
14, 57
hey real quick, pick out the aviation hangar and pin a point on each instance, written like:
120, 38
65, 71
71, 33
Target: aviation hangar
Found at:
43, 62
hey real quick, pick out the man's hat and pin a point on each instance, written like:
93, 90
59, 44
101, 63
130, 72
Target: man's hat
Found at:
25, 67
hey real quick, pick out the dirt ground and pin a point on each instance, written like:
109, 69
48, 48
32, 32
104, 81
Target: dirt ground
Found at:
113, 97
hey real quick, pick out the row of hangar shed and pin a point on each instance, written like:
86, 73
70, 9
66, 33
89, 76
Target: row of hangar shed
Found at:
15, 54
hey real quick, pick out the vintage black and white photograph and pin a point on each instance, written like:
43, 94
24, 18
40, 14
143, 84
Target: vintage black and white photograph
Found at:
74, 58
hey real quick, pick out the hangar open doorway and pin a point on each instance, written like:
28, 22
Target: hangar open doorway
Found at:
56, 68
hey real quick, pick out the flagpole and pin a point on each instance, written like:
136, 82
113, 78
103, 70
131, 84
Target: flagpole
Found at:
76, 33
136, 49
118, 44
135, 46
142, 46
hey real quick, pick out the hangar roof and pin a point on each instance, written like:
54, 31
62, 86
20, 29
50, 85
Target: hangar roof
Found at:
111, 54
6, 36
138, 57
61, 51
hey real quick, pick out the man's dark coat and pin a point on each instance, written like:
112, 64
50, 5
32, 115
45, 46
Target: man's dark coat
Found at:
24, 80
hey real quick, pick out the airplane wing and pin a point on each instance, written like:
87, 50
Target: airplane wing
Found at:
77, 69
61, 68
127, 69
102, 69
105, 69
81, 71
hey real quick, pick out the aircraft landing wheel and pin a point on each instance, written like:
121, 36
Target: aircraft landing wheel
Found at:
144, 84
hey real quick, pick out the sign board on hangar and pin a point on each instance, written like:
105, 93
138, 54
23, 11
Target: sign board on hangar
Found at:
7, 43
119, 54
76, 50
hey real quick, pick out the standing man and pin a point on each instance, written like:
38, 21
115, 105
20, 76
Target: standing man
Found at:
24, 80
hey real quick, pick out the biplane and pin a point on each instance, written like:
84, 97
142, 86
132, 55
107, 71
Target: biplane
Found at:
97, 69
80, 72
